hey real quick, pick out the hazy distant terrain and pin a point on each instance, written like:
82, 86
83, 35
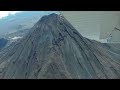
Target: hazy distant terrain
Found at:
3, 42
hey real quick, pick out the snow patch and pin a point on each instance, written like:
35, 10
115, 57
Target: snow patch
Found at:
14, 38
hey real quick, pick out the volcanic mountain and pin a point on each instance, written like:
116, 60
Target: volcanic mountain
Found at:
54, 49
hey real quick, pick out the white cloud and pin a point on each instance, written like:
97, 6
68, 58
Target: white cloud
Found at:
7, 13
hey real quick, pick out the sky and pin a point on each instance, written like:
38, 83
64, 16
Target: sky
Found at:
7, 13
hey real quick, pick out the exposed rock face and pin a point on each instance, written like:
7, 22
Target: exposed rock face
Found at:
53, 49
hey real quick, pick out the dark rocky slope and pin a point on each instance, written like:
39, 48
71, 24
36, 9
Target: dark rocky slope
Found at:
53, 49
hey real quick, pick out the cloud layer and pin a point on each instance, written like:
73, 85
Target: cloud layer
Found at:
7, 13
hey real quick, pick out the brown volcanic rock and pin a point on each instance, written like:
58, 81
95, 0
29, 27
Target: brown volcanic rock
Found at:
53, 49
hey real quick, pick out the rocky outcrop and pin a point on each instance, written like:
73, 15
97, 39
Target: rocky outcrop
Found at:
53, 49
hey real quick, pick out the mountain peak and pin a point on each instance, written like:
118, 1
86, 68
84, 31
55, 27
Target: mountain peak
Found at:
55, 50
53, 15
